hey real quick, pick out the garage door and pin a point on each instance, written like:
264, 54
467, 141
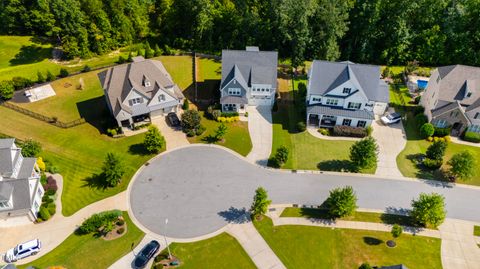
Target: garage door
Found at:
261, 101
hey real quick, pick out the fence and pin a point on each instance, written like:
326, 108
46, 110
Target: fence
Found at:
51, 120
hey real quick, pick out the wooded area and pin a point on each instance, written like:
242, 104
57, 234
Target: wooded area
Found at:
434, 32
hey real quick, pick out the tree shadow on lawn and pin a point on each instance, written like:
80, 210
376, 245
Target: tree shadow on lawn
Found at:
235, 215
337, 166
372, 241
96, 181
433, 177
210, 139
138, 149
31, 54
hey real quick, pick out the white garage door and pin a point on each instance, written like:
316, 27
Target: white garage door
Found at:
261, 101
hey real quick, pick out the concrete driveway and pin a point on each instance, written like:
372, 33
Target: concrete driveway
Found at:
391, 141
260, 129
174, 136
202, 188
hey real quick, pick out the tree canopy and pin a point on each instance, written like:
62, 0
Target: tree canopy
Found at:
434, 32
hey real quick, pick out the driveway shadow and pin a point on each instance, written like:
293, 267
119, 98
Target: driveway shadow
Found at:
235, 215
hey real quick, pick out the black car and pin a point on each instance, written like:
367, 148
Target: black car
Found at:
173, 119
146, 254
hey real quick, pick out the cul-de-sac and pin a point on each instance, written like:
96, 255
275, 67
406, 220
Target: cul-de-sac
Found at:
237, 134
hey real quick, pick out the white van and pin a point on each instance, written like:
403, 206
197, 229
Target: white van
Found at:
23, 250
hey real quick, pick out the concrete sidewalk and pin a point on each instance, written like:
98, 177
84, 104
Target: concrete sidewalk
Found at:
459, 246
260, 129
255, 246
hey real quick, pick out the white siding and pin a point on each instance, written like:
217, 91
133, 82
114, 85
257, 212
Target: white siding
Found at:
134, 94
379, 108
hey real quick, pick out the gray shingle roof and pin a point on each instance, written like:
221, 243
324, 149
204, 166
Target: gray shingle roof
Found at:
20, 195
445, 108
119, 80
6, 143
340, 112
325, 76
256, 67
6, 191
26, 168
454, 82
230, 99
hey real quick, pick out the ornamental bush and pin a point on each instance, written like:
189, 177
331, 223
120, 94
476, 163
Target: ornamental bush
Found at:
112, 170
301, 127
30, 148
153, 141
43, 213
94, 222
281, 156
436, 150
190, 120
472, 137
6, 90
420, 119
427, 130
441, 132
463, 165
63, 73
343, 130
364, 153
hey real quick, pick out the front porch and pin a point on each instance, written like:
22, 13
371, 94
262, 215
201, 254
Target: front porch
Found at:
132, 123
240, 108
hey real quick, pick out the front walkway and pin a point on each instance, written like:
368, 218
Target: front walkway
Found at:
175, 137
261, 132
391, 140
457, 140
255, 246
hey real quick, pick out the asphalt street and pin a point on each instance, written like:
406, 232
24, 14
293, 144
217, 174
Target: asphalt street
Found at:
200, 189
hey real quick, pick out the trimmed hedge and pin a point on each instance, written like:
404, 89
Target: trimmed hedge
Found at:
472, 137
342, 130
229, 114
441, 132
96, 221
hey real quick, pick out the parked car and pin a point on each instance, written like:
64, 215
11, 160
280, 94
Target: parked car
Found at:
173, 119
146, 254
391, 118
23, 250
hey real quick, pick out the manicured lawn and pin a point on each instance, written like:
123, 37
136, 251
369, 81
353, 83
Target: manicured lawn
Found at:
87, 251
357, 216
306, 151
180, 68
221, 251
70, 103
78, 153
20, 56
400, 97
476, 230
209, 69
406, 160
317, 247
237, 137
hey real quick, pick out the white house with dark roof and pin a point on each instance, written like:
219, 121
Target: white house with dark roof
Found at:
140, 90
249, 77
20, 189
452, 98
345, 93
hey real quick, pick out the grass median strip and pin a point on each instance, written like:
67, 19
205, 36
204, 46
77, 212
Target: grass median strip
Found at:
476, 230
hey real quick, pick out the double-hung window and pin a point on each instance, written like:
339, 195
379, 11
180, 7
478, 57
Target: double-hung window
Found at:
361, 123
135, 101
352, 105
347, 122
332, 102
347, 90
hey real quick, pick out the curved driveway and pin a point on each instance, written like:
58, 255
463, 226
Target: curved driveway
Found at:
200, 189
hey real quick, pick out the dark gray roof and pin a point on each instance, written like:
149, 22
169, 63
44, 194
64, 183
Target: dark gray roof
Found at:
20, 195
230, 99
325, 76
445, 108
6, 191
255, 67
336, 111
119, 80
455, 79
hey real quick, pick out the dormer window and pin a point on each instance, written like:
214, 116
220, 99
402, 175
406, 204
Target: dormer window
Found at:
347, 90
161, 97
469, 94
135, 101
146, 81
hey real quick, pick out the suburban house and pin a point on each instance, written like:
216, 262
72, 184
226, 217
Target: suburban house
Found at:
345, 93
140, 90
20, 189
452, 98
249, 77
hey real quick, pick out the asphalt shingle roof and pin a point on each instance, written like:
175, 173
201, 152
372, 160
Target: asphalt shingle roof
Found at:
325, 76
230, 99
340, 112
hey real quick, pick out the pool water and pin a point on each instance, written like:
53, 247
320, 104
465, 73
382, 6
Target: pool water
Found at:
422, 84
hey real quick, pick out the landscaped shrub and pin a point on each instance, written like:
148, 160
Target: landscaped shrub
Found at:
52, 208
30, 148
429, 139
341, 202
41, 164
343, 130
324, 131
63, 73
216, 113
441, 132
229, 114
86, 68
436, 151
365, 265
281, 156
200, 130
112, 132
229, 119
20, 83
120, 222
190, 121
120, 230
301, 127
40, 77
190, 133
420, 120
96, 221
43, 213
153, 141
432, 163
6, 90
50, 76
369, 130
427, 130
186, 104
472, 137
47, 199
447, 138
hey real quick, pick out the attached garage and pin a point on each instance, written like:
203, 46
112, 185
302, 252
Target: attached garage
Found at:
260, 101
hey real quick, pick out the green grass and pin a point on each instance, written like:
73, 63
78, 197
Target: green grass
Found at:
400, 97
22, 56
237, 137
78, 153
209, 69
221, 251
357, 216
476, 230
406, 160
87, 251
69, 102
306, 151
180, 68
317, 247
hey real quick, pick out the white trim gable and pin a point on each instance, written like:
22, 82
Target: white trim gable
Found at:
134, 94
167, 97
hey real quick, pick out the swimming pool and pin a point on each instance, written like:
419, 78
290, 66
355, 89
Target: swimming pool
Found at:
422, 84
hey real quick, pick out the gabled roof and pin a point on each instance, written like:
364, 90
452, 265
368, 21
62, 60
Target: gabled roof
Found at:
7, 163
325, 76
255, 67
119, 81
6, 191
7, 143
340, 112
454, 82
20, 194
